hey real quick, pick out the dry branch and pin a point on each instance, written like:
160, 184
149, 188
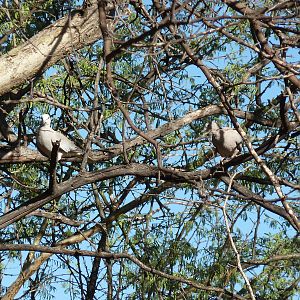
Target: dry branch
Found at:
116, 256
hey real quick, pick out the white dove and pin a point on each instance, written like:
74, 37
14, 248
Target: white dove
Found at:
46, 136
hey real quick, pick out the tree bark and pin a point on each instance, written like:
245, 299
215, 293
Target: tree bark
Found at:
32, 58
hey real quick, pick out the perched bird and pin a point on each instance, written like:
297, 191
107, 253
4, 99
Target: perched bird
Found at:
227, 141
46, 136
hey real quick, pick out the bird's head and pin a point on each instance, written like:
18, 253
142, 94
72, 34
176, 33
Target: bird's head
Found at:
212, 127
46, 120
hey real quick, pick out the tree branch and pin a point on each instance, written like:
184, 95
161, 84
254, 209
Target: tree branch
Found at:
133, 169
115, 256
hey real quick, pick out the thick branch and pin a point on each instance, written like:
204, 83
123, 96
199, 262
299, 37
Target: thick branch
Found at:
133, 169
25, 155
47, 47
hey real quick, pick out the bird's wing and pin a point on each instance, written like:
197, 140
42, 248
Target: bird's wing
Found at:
66, 144
233, 134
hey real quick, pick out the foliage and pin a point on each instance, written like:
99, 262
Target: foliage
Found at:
159, 196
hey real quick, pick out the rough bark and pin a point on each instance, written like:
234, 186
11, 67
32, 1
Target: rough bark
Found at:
32, 58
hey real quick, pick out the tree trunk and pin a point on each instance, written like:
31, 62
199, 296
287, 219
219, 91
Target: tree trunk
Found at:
30, 59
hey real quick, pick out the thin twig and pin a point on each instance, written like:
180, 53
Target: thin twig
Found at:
248, 285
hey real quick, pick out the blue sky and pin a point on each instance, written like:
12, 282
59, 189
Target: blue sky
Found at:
246, 225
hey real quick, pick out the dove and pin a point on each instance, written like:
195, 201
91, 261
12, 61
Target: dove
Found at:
227, 141
46, 136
